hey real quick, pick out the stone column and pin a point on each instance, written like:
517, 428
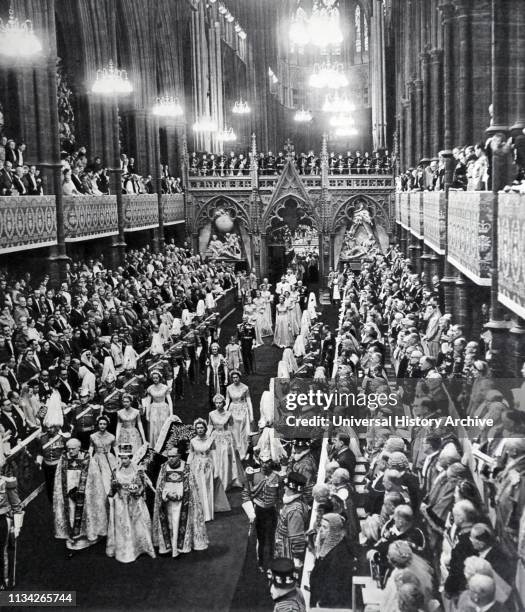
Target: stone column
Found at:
426, 263
436, 101
449, 60
517, 347
463, 64
463, 307
519, 85
419, 126
426, 151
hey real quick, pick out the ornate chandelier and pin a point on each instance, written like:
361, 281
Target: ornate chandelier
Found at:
303, 116
167, 106
227, 135
336, 104
241, 107
18, 38
328, 76
111, 80
205, 124
322, 28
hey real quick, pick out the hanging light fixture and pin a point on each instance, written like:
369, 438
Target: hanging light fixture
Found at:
17, 38
111, 80
227, 135
241, 107
334, 103
167, 106
328, 76
303, 116
322, 28
205, 124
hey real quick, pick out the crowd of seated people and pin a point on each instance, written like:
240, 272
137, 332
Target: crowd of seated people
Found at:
269, 164
434, 536
471, 169
83, 176
16, 176
59, 338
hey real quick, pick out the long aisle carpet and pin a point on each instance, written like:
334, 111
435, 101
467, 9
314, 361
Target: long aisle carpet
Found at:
204, 580
252, 593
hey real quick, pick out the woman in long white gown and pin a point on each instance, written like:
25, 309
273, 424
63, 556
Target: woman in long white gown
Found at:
267, 301
101, 448
202, 466
129, 526
262, 321
158, 406
220, 430
295, 325
295, 311
129, 425
283, 335
239, 403
252, 311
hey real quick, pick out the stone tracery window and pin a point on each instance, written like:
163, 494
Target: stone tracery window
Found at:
358, 44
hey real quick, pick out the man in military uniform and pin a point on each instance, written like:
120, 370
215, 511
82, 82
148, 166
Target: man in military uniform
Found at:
302, 462
11, 517
312, 163
290, 541
52, 446
287, 597
194, 164
262, 489
84, 418
247, 339
110, 397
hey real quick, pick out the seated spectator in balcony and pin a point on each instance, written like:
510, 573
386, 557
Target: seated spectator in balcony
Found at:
32, 182
459, 178
13, 154
68, 187
76, 179
6, 178
19, 187
102, 180
479, 170
148, 184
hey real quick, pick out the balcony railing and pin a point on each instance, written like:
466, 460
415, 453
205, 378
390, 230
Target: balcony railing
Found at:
173, 208
30, 222
435, 220
511, 251
415, 204
469, 233
27, 222
404, 210
141, 211
89, 216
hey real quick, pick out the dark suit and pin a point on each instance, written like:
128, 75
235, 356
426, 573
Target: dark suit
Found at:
19, 185
346, 459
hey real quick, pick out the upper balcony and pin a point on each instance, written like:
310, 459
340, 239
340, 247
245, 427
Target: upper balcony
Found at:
28, 222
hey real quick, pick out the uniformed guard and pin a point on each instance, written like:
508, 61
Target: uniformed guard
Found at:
247, 340
84, 418
290, 541
52, 446
287, 597
11, 518
110, 396
262, 489
302, 462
